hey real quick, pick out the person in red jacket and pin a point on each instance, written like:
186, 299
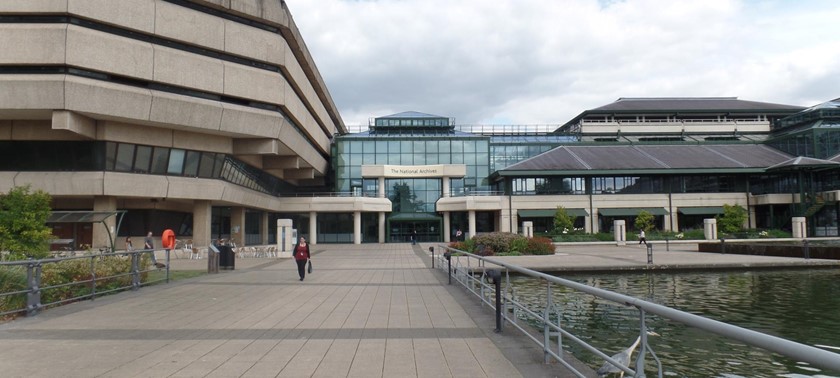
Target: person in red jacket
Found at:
301, 253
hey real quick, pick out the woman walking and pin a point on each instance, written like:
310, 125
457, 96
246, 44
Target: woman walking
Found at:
301, 256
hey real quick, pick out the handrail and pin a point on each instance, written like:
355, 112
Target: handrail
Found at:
33, 290
800, 352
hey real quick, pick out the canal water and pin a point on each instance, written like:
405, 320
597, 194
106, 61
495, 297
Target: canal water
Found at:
799, 305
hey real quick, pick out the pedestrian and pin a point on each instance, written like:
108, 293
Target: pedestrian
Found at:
302, 256
149, 243
414, 237
642, 237
128, 246
458, 234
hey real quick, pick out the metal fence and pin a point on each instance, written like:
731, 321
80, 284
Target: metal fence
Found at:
489, 280
133, 276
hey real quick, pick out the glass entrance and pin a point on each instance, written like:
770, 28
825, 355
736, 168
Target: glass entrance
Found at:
428, 230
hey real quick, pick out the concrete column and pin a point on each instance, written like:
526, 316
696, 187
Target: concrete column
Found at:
446, 188
100, 231
710, 229
587, 227
202, 217
514, 222
619, 232
472, 224
237, 225
800, 230
357, 227
528, 229
447, 228
381, 227
313, 228
285, 242
264, 228
666, 222
380, 191
595, 227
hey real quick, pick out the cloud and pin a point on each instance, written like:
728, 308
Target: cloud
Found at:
545, 61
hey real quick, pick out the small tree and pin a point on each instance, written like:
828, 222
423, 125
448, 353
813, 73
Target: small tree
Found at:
732, 220
562, 220
644, 221
23, 223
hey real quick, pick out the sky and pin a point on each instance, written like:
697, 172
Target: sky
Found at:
546, 61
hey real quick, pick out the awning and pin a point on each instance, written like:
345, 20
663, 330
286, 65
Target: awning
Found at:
414, 217
80, 216
701, 210
541, 213
631, 211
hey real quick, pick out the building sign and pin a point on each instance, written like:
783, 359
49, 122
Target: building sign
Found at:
413, 170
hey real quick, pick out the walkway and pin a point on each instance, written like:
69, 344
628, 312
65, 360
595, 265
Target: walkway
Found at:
367, 311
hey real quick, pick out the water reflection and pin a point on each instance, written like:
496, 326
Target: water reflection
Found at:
799, 305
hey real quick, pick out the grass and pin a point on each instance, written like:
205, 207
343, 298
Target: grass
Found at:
174, 275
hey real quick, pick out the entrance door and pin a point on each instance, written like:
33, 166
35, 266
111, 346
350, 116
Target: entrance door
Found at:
427, 231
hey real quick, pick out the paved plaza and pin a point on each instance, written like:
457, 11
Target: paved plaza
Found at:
367, 311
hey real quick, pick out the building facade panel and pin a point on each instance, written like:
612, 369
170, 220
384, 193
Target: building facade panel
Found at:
188, 70
190, 26
135, 14
28, 43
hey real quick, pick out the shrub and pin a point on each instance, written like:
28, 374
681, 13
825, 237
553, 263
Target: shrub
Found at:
494, 242
643, 221
12, 278
540, 246
562, 221
732, 220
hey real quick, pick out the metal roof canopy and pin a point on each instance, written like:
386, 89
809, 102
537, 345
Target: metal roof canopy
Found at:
89, 217
701, 210
631, 211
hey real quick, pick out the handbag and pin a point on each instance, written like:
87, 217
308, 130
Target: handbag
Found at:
309, 267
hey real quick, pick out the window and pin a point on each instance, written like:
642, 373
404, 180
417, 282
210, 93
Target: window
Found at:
160, 159
142, 159
125, 157
176, 162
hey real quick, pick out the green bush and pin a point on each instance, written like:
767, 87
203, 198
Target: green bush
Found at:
487, 244
79, 270
12, 278
540, 246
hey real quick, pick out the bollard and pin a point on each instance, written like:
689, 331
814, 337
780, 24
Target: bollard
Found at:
496, 279
432, 250
33, 281
650, 254
722, 245
667, 244
805, 249
448, 257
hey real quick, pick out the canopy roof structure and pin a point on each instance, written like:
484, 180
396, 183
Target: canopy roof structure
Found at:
89, 217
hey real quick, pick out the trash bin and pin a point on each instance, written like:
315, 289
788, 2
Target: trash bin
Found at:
226, 257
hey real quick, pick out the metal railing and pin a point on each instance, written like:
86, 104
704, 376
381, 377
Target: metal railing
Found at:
133, 277
472, 272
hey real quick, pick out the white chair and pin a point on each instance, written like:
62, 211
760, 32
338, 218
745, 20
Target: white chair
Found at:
195, 253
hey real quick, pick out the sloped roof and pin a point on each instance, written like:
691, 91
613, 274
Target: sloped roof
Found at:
412, 114
652, 157
701, 104
801, 162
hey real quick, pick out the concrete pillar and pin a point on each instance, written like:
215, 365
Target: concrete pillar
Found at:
447, 228
619, 232
285, 240
710, 229
472, 224
587, 226
381, 227
202, 217
237, 225
799, 227
514, 220
357, 227
100, 231
446, 189
528, 229
595, 227
380, 191
264, 228
313, 228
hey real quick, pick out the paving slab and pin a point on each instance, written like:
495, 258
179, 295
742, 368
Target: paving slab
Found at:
366, 311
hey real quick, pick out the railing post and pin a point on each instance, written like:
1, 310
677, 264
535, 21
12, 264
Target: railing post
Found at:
167, 265
806, 249
135, 270
432, 250
640, 361
667, 244
549, 303
723, 245
496, 277
93, 277
448, 256
650, 254
33, 281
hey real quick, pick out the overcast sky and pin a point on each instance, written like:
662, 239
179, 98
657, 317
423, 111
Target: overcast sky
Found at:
545, 61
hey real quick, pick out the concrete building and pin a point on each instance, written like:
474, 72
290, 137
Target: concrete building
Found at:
190, 115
